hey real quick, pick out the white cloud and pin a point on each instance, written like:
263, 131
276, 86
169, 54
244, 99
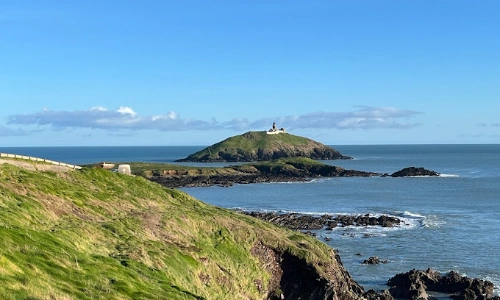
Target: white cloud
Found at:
172, 115
98, 108
125, 110
98, 117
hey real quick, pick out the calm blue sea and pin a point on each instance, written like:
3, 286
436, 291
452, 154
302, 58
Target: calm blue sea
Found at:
452, 222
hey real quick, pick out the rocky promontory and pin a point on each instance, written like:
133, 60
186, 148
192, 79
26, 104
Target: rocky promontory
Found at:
282, 170
261, 146
294, 169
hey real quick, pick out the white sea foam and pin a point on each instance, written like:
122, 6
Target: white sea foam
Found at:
448, 175
408, 221
495, 279
413, 215
433, 221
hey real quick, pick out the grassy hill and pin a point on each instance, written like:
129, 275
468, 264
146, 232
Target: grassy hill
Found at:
94, 234
257, 146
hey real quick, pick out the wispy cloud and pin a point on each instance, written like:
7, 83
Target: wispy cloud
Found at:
98, 117
482, 124
365, 117
477, 135
5, 131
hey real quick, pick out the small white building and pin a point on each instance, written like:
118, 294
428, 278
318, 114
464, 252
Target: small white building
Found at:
273, 130
107, 166
124, 169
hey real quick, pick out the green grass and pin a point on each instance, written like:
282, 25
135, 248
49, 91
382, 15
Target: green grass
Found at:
259, 139
94, 234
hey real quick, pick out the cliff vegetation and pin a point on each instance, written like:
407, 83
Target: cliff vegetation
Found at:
95, 234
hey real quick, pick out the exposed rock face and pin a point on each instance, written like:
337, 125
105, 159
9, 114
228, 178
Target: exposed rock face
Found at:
259, 146
293, 278
415, 284
414, 171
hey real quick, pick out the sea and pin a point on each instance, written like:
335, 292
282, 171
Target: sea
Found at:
450, 222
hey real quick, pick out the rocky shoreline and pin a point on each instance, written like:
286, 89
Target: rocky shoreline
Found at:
413, 285
177, 181
259, 174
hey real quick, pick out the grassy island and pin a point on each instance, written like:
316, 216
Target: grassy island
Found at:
260, 146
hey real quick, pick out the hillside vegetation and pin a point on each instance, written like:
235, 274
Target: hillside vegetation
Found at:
95, 234
258, 146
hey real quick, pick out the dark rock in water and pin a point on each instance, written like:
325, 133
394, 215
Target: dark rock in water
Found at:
373, 295
373, 260
415, 284
365, 220
414, 171
328, 222
293, 220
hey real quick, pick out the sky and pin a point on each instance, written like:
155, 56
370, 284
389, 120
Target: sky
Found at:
168, 73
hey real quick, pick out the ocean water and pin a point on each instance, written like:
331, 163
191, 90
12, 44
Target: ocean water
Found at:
451, 222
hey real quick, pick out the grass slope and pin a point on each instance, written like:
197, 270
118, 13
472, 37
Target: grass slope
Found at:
260, 139
94, 234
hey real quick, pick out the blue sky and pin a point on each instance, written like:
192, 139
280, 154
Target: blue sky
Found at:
82, 73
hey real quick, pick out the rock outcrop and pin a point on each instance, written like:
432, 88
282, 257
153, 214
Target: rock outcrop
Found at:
308, 222
374, 260
414, 171
415, 284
